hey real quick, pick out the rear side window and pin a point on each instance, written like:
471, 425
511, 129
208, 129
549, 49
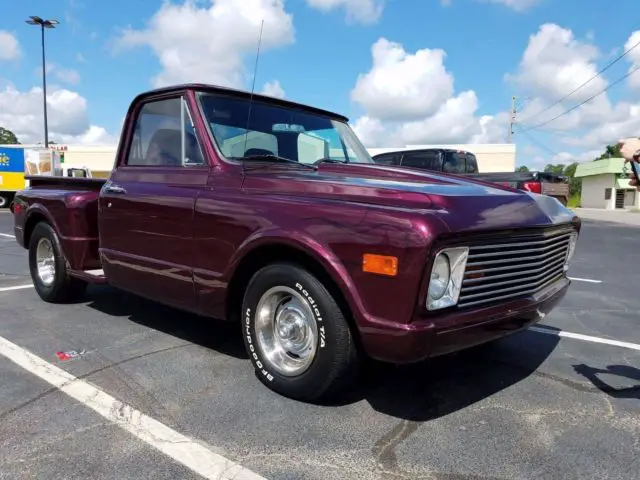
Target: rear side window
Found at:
164, 136
387, 159
422, 160
454, 162
472, 163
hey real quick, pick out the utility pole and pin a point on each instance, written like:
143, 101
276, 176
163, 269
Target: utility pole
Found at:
512, 119
34, 20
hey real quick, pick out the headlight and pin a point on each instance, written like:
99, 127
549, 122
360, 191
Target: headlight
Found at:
440, 274
446, 277
573, 239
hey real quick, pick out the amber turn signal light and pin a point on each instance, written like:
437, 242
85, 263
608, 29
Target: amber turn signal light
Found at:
380, 264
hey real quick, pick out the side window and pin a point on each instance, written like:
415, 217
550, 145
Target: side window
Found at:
472, 164
422, 160
454, 163
164, 136
387, 159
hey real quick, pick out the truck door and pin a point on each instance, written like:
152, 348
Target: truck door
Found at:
146, 207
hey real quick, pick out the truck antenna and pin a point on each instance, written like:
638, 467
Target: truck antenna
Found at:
253, 88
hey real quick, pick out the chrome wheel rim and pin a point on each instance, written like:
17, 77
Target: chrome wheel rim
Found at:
286, 331
46, 262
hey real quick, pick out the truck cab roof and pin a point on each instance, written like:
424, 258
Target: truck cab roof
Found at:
210, 88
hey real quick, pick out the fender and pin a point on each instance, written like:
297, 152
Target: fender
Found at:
36, 209
306, 244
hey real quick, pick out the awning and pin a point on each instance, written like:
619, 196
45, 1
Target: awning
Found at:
623, 184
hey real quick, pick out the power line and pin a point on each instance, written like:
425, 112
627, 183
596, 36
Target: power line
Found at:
536, 141
585, 101
613, 62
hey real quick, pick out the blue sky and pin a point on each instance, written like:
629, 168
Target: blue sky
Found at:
458, 89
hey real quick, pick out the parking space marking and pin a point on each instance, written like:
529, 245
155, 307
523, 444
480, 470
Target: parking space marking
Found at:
6, 235
187, 451
588, 280
586, 338
16, 287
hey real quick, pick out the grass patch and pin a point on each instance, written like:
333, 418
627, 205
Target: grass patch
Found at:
574, 201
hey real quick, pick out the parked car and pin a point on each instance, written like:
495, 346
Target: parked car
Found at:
237, 206
464, 163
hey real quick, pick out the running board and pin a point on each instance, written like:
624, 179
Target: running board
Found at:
90, 276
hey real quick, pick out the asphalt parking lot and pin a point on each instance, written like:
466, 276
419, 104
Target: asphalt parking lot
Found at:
562, 401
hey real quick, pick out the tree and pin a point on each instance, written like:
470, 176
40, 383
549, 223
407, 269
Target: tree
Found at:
7, 137
610, 151
522, 168
558, 168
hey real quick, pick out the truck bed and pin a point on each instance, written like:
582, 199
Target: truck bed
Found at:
70, 204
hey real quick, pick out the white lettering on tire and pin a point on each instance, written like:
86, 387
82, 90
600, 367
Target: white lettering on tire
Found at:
254, 355
316, 312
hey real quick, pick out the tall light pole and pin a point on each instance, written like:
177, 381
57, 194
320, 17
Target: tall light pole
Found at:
34, 20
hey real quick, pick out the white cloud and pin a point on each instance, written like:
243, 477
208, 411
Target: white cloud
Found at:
555, 64
361, 11
21, 112
9, 46
402, 85
517, 5
208, 44
408, 98
64, 75
273, 89
634, 57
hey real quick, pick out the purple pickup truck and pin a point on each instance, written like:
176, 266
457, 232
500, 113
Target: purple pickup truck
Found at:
271, 214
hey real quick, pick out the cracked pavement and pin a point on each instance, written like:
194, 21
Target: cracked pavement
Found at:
530, 406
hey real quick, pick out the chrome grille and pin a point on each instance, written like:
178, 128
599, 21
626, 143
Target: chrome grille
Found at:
513, 266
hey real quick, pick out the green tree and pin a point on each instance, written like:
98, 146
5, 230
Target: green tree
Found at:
7, 137
575, 184
558, 168
610, 151
522, 168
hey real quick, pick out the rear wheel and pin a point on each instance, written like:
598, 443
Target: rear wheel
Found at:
48, 267
296, 334
4, 200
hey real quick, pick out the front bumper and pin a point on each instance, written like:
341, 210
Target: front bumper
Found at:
459, 329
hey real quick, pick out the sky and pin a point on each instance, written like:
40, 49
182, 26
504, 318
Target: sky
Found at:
403, 71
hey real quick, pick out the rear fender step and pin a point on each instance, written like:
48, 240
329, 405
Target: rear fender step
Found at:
90, 276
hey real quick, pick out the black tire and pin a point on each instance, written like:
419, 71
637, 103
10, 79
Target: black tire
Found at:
5, 200
63, 288
336, 360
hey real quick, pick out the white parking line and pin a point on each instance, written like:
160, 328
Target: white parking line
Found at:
16, 287
586, 338
588, 280
187, 451
6, 235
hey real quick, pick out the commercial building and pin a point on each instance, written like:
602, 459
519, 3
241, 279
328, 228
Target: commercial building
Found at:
604, 186
492, 157
99, 158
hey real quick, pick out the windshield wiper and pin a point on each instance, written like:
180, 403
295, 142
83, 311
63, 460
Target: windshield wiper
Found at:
273, 158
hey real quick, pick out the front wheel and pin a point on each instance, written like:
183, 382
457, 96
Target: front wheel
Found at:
296, 334
48, 267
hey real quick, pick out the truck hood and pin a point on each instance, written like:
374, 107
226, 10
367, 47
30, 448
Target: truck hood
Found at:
461, 203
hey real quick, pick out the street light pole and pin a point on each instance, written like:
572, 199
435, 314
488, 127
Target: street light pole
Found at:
34, 20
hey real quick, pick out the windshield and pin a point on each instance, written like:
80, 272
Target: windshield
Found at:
294, 134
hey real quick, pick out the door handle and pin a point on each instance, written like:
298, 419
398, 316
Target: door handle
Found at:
111, 188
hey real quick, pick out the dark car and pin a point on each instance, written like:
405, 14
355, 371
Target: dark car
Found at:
241, 207
461, 162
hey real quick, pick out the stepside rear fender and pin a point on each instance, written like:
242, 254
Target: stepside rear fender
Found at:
74, 217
